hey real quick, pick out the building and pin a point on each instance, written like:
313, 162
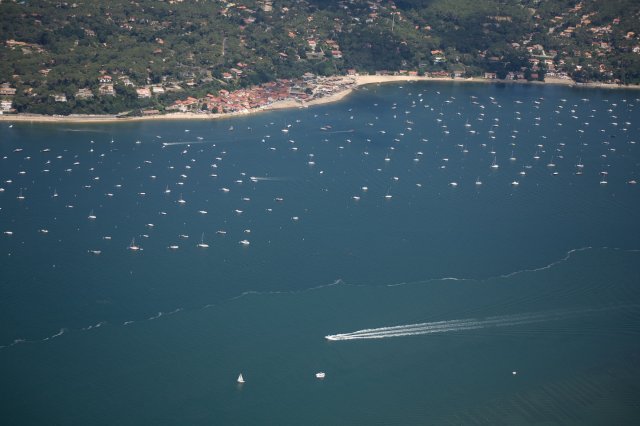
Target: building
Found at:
143, 92
85, 93
6, 105
7, 90
107, 90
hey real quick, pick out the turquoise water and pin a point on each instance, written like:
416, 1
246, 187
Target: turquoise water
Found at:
480, 281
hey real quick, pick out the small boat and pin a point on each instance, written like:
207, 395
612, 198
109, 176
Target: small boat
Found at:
202, 244
133, 246
91, 215
240, 379
320, 375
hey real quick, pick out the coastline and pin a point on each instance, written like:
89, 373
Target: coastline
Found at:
353, 82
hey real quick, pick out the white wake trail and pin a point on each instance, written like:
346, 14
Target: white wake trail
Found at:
453, 325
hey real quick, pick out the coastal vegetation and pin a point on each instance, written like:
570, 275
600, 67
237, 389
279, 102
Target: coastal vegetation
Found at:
93, 57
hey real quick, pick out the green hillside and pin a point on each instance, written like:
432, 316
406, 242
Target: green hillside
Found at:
57, 55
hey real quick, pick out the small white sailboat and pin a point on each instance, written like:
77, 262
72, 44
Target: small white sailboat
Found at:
551, 163
133, 246
202, 244
240, 379
91, 215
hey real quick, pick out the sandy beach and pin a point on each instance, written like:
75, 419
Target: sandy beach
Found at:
350, 82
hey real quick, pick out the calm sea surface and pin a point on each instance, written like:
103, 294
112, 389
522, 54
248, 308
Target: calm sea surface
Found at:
472, 253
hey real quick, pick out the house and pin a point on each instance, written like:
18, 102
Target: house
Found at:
107, 90
84, 94
6, 105
7, 90
336, 54
157, 90
315, 55
60, 97
490, 75
105, 79
143, 92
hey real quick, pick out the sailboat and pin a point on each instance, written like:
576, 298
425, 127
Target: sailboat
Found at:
551, 163
91, 215
494, 165
133, 246
202, 244
240, 379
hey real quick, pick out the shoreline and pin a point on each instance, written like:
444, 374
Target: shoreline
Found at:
353, 81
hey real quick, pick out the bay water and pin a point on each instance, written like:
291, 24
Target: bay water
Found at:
471, 252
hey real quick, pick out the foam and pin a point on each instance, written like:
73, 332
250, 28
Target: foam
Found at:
465, 324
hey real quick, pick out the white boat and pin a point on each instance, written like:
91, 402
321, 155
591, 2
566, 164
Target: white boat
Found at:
240, 379
551, 163
202, 244
245, 242
320, 375
133, 245
92, 216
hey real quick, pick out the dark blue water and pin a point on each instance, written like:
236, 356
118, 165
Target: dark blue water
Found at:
531, 267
